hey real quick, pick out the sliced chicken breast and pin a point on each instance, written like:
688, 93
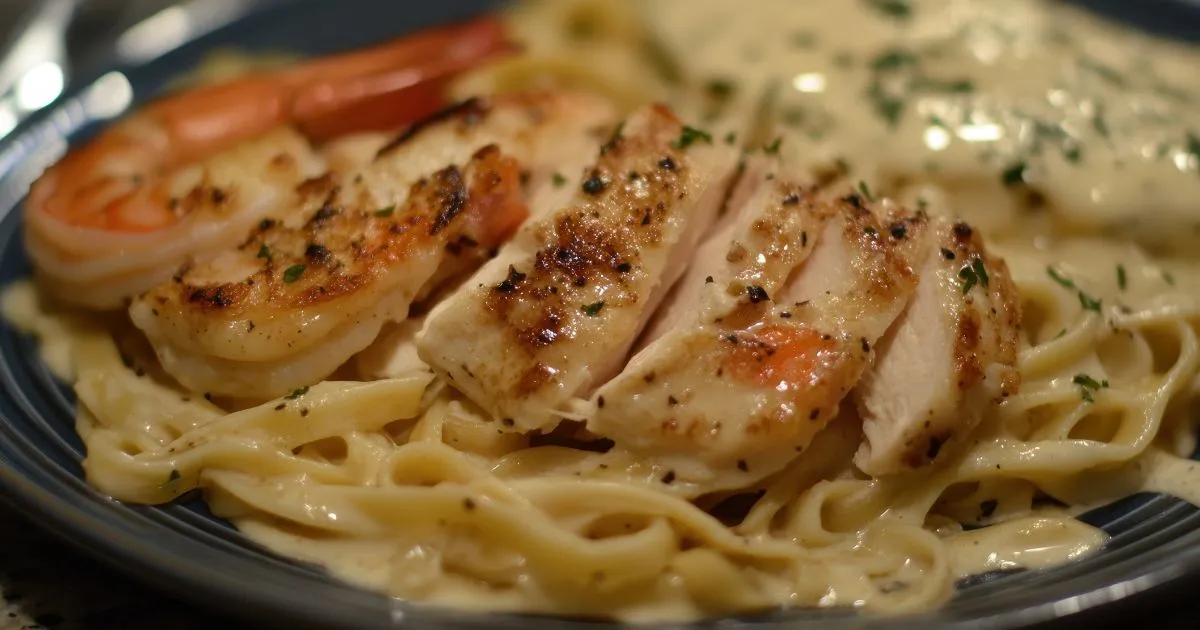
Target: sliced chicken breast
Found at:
949, 356
559, 309
308, 290
781, 333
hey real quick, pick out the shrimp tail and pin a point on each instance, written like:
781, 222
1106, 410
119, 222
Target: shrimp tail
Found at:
375, 98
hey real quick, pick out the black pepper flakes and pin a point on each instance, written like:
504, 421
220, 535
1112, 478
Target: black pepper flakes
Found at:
988, 508
468, 504
672, 401
669, 478
743, 466
509, 284
594, 184
757, 294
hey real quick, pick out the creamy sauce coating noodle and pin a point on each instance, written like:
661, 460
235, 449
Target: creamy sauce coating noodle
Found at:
1072, 143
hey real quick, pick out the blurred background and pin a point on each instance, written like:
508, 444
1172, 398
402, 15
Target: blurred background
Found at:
44, 44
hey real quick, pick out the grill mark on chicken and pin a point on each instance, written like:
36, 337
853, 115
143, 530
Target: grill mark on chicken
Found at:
585, 247
564, 302
965, 320
786, 333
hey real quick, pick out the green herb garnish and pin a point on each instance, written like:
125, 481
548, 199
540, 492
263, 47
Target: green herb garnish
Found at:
893, 59
614, 139
293, 273
1087, 385
1089, 303
386, 212
264, 252
296, 393
973, 274
691, 135
593, 309
1014, 174
773, 148
898, 9
720, 89
866, 192
559, 180
1122, 281
731, 138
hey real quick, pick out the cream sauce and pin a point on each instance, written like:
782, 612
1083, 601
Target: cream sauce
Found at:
1032, 542
1030, 113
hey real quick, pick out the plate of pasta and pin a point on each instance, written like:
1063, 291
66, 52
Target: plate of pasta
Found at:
838, 313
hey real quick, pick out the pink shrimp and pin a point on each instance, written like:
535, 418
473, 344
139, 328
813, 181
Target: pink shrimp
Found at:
191, 173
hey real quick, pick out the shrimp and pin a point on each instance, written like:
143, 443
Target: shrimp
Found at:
192, 173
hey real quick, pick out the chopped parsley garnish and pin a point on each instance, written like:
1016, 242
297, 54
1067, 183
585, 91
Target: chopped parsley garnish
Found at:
894, 58
804, 39
888, 106
1192, 147
293, 273
1014, 174
898, 9
264, 252
1168, 278
1073, 153
559, 180
866, 192
614, 139
973, 274
1087, 385
1102, 70
691, 135
1062, 280
386, 212
593, 309
1086, 301
731, 138
1100, 123
943, 86
720, 88
296, 393
1122, 281
773, 148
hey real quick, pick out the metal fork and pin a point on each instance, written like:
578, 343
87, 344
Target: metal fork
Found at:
34, 68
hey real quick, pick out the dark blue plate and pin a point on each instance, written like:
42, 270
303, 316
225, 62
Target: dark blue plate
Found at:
182, 548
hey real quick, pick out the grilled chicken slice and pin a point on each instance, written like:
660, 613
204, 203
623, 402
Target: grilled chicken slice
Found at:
950, 355
306, 291
782, 332
558, 310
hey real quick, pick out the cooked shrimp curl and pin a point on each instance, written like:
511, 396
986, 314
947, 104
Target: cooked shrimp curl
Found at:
191, 174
